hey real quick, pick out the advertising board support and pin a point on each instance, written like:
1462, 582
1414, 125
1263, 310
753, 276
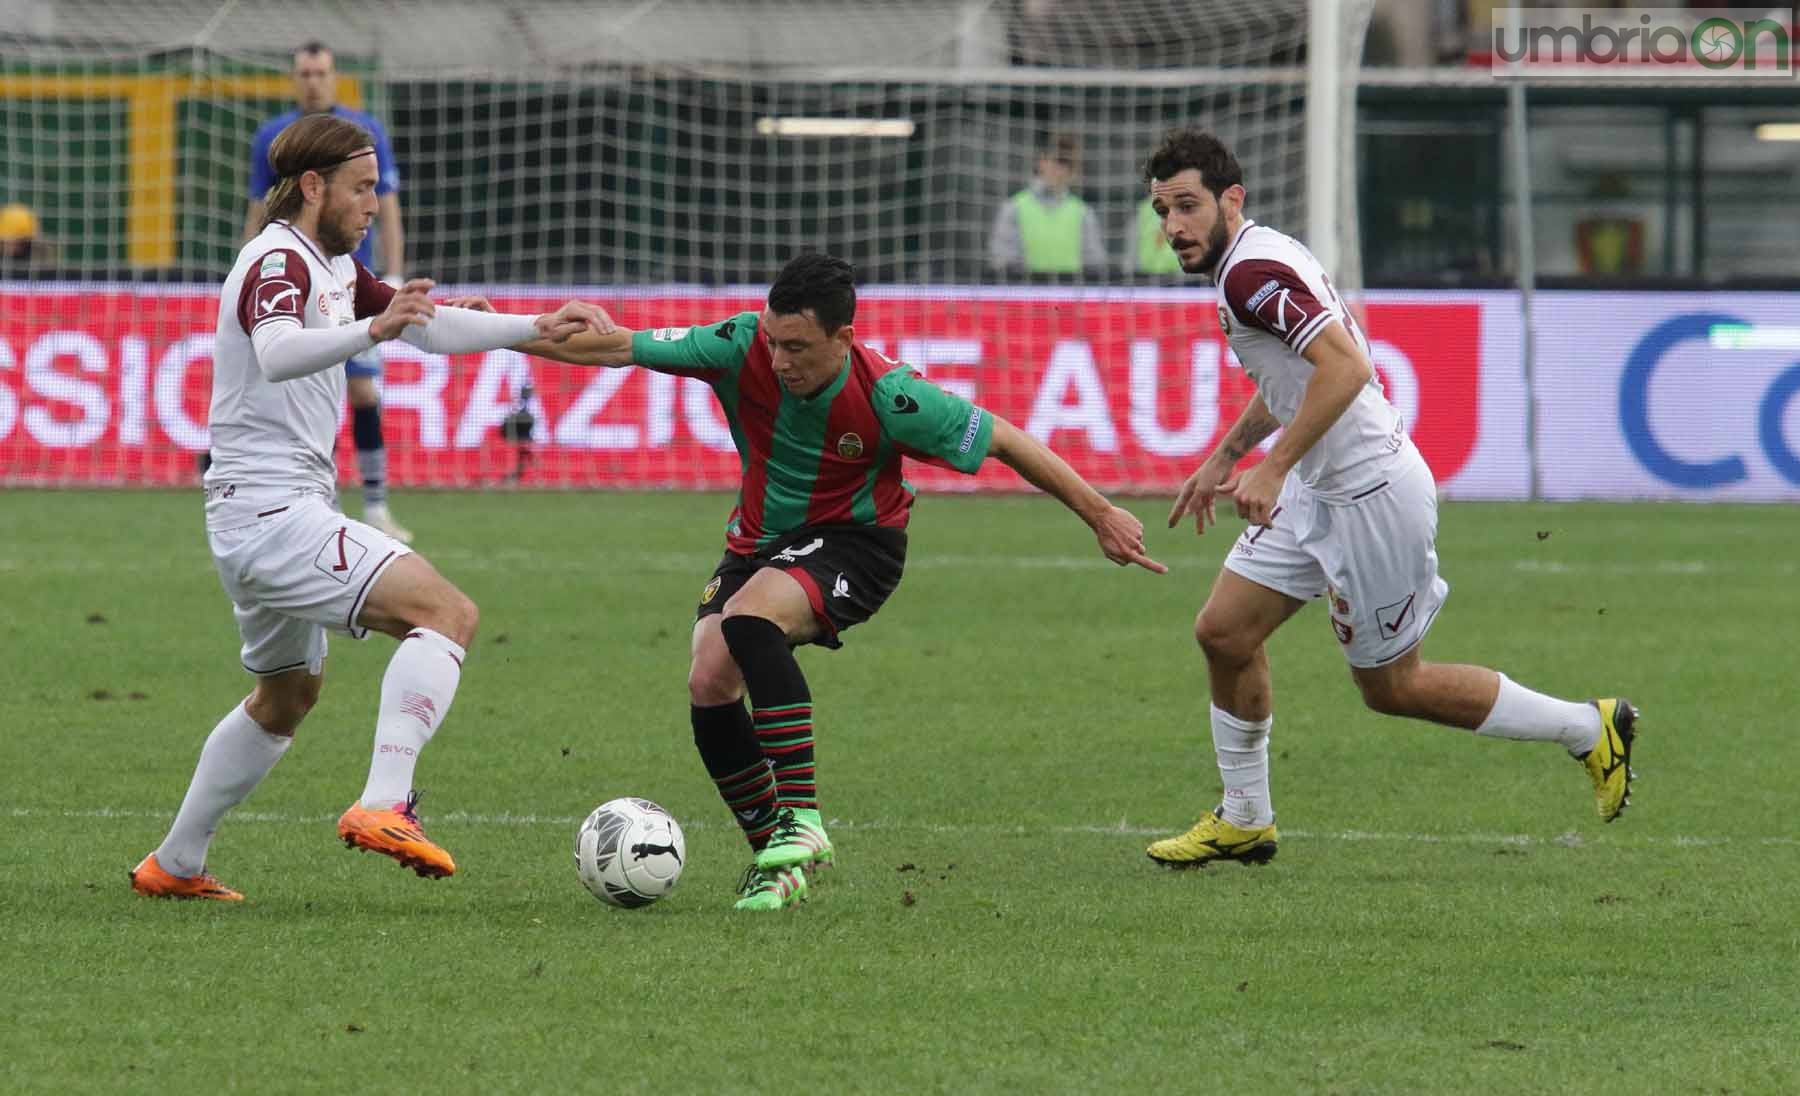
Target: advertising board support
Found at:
1524, 226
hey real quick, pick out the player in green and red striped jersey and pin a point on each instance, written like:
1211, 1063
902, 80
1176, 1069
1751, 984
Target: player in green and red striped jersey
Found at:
817, 540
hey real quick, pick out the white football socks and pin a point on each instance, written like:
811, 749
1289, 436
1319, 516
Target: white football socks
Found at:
416, 692
1243, 753
236, 757
1522, 714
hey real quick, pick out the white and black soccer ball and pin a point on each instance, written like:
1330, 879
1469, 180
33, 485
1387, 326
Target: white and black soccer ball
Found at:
629, 852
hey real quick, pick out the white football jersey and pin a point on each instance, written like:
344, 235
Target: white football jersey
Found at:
272, 439
1274, 300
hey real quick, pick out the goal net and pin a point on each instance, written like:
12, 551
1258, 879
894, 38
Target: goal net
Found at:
663, 159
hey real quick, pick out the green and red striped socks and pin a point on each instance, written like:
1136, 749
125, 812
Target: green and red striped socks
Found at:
786, 736
750, 793
727, 745
781, 705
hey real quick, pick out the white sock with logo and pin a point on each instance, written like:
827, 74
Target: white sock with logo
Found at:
416, 692
1242, 749
236, 757
1529, 716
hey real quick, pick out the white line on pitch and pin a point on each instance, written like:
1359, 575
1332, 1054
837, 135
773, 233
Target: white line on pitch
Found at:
455, 559
997, 829
461, 559
1651, 567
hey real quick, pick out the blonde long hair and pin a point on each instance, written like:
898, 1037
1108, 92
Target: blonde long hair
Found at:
317, 142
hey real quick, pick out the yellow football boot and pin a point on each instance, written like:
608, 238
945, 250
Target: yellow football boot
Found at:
1213, 838
1608, 764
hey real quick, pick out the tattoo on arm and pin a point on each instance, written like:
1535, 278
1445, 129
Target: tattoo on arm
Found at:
1255, 425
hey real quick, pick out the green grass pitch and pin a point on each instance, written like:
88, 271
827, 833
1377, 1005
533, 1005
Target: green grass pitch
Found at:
996, 748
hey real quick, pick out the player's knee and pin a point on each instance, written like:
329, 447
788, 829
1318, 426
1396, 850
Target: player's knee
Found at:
455, 616
280, 710
466, 618
363, 393
712, 682
742, 605
709, 690
1220, 641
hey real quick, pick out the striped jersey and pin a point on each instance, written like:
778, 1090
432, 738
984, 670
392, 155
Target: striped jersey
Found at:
832, 458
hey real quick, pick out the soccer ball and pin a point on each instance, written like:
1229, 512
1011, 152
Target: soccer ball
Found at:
629, 852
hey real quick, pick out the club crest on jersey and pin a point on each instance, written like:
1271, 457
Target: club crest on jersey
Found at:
850, 446
711, 591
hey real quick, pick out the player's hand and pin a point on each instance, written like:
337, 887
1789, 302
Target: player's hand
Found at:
1196, 497
1255, 492
411, 305
473, 302
1121, 537
573, 318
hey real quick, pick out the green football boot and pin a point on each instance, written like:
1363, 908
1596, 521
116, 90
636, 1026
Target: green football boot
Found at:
798, 841
771, 890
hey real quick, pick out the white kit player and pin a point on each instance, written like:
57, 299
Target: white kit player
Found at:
294, 308
1342, 507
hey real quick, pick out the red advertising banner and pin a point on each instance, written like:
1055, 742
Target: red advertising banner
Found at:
111, 387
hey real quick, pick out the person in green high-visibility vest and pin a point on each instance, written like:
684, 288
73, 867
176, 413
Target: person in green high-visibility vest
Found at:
1045, 228
1151, 253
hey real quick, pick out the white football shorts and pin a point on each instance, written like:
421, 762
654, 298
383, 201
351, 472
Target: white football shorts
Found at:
1373, 559
300, 569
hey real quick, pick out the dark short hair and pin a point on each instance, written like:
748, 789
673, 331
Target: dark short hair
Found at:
313, 46
1182, 149
824, 283
1061, 146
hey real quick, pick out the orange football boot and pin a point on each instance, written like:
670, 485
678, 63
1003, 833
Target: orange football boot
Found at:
396, 833
150, 880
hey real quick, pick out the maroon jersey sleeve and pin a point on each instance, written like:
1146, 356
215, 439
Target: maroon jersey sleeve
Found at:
372, 294
275, 289
1271, 296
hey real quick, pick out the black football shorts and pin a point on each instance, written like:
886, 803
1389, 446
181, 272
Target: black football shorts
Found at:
847, 572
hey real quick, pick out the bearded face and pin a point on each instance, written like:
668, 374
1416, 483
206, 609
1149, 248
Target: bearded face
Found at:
1214, 250
342, 224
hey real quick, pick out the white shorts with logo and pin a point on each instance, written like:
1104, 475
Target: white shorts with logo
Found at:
1374, 559
295, 571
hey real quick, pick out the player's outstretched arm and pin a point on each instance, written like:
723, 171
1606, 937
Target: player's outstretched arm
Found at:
1120, 533
607, 344
585, 348
286, 350
409, 314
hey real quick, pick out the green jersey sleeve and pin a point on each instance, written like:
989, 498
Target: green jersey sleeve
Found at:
930, 423
696, 351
